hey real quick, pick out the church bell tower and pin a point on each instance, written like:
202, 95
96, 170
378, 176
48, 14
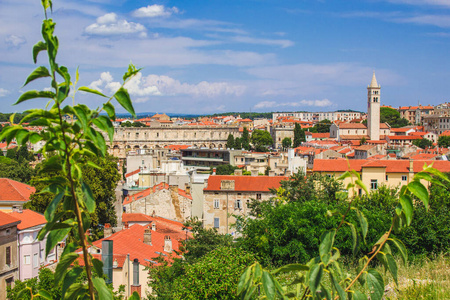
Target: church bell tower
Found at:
373, 109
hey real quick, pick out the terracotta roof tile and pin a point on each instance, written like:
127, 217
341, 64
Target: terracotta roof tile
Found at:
29, 218
246, 183
351, 126
6, 219
11, 190
154, 189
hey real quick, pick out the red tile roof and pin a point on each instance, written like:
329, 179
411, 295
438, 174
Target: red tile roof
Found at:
365, 147
445, 133
405, 137
246, 183
392, 166
132, 173
29, 218
7, 219
154, 189
402, 129
352, 126
135, 217
177, 147
11, 190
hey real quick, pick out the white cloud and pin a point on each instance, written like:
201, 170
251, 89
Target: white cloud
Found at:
436, 20
423, 2
257, 41
3, 92
155, 10
274, 104
197, 24
15, 41
161, 85
109, 24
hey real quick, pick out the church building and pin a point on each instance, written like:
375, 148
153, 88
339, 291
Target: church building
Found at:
374, 131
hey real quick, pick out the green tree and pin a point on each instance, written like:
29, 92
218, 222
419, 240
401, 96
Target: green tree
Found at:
245, 139
230, 142
392, 117
103, 183
261, 139
423, 143
238, 143
224, 169
299, 135
323, 126
444, 141
286, 142
214, 276
19, 171
24, 155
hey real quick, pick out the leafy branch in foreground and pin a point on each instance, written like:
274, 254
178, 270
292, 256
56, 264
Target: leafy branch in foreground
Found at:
323, 277
69, 143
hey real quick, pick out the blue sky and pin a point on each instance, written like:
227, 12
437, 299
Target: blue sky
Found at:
248, 55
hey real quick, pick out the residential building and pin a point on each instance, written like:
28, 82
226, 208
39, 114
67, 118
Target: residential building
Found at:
31, 250
204, 159
163, 200
374, 173
344, 116
229, 195
13, 193
415, 114
9, 261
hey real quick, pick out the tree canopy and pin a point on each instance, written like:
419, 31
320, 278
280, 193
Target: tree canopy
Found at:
444, 141
392, 117
261, 139
286, 142
299, 135
423, 143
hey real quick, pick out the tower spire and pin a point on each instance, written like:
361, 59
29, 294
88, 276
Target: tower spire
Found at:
374, 83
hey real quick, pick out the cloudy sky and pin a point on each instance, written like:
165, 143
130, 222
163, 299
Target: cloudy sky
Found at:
209, 56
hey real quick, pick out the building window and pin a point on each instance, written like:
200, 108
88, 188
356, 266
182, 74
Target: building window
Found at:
373, 184
27, 259
404, 178
216, 203
9, 281
387, 177
216, 222
258, 196
8, 255
238, 204
35, 260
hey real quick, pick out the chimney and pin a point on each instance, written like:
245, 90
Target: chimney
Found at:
154, 226
187, 189
214, 171
254, 172
126, 225
238, 172
411, 168
136, 287
167, 244
17, 208
148, 236
107, 230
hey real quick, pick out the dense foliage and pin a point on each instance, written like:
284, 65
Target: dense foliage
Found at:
16, 165
286, 142
299, 135
444, 141
224, 169
423, 143
261, 139
245, 139
392, 117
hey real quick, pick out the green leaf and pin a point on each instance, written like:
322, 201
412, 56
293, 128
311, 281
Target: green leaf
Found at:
64, 265
54, 237
324, 293
92, 91
376, 284
65, 74
75, 291
419, 191
34, 94
44, 294
437, 173
124, 100
363, 222
51, 208
337, 286
244, 281
326, 244
268, 285
134, 296
407, 207
315, 276
39, 72
103, 292
131, 72
92, 164
357, 295
34, 137
40, 46
362, 185
401, 248
70, 278
290, 268
392, 266
22, 136
355, 240
81, 115
109, 108
63, 92
345, 175
98, 266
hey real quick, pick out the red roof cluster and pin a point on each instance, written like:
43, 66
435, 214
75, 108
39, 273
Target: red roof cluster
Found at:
29, 218
7, 219
11, 190
154, 189
246, 183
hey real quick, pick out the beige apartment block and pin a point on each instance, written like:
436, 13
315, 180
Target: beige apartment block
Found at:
227, 196
374, 173
9, 261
